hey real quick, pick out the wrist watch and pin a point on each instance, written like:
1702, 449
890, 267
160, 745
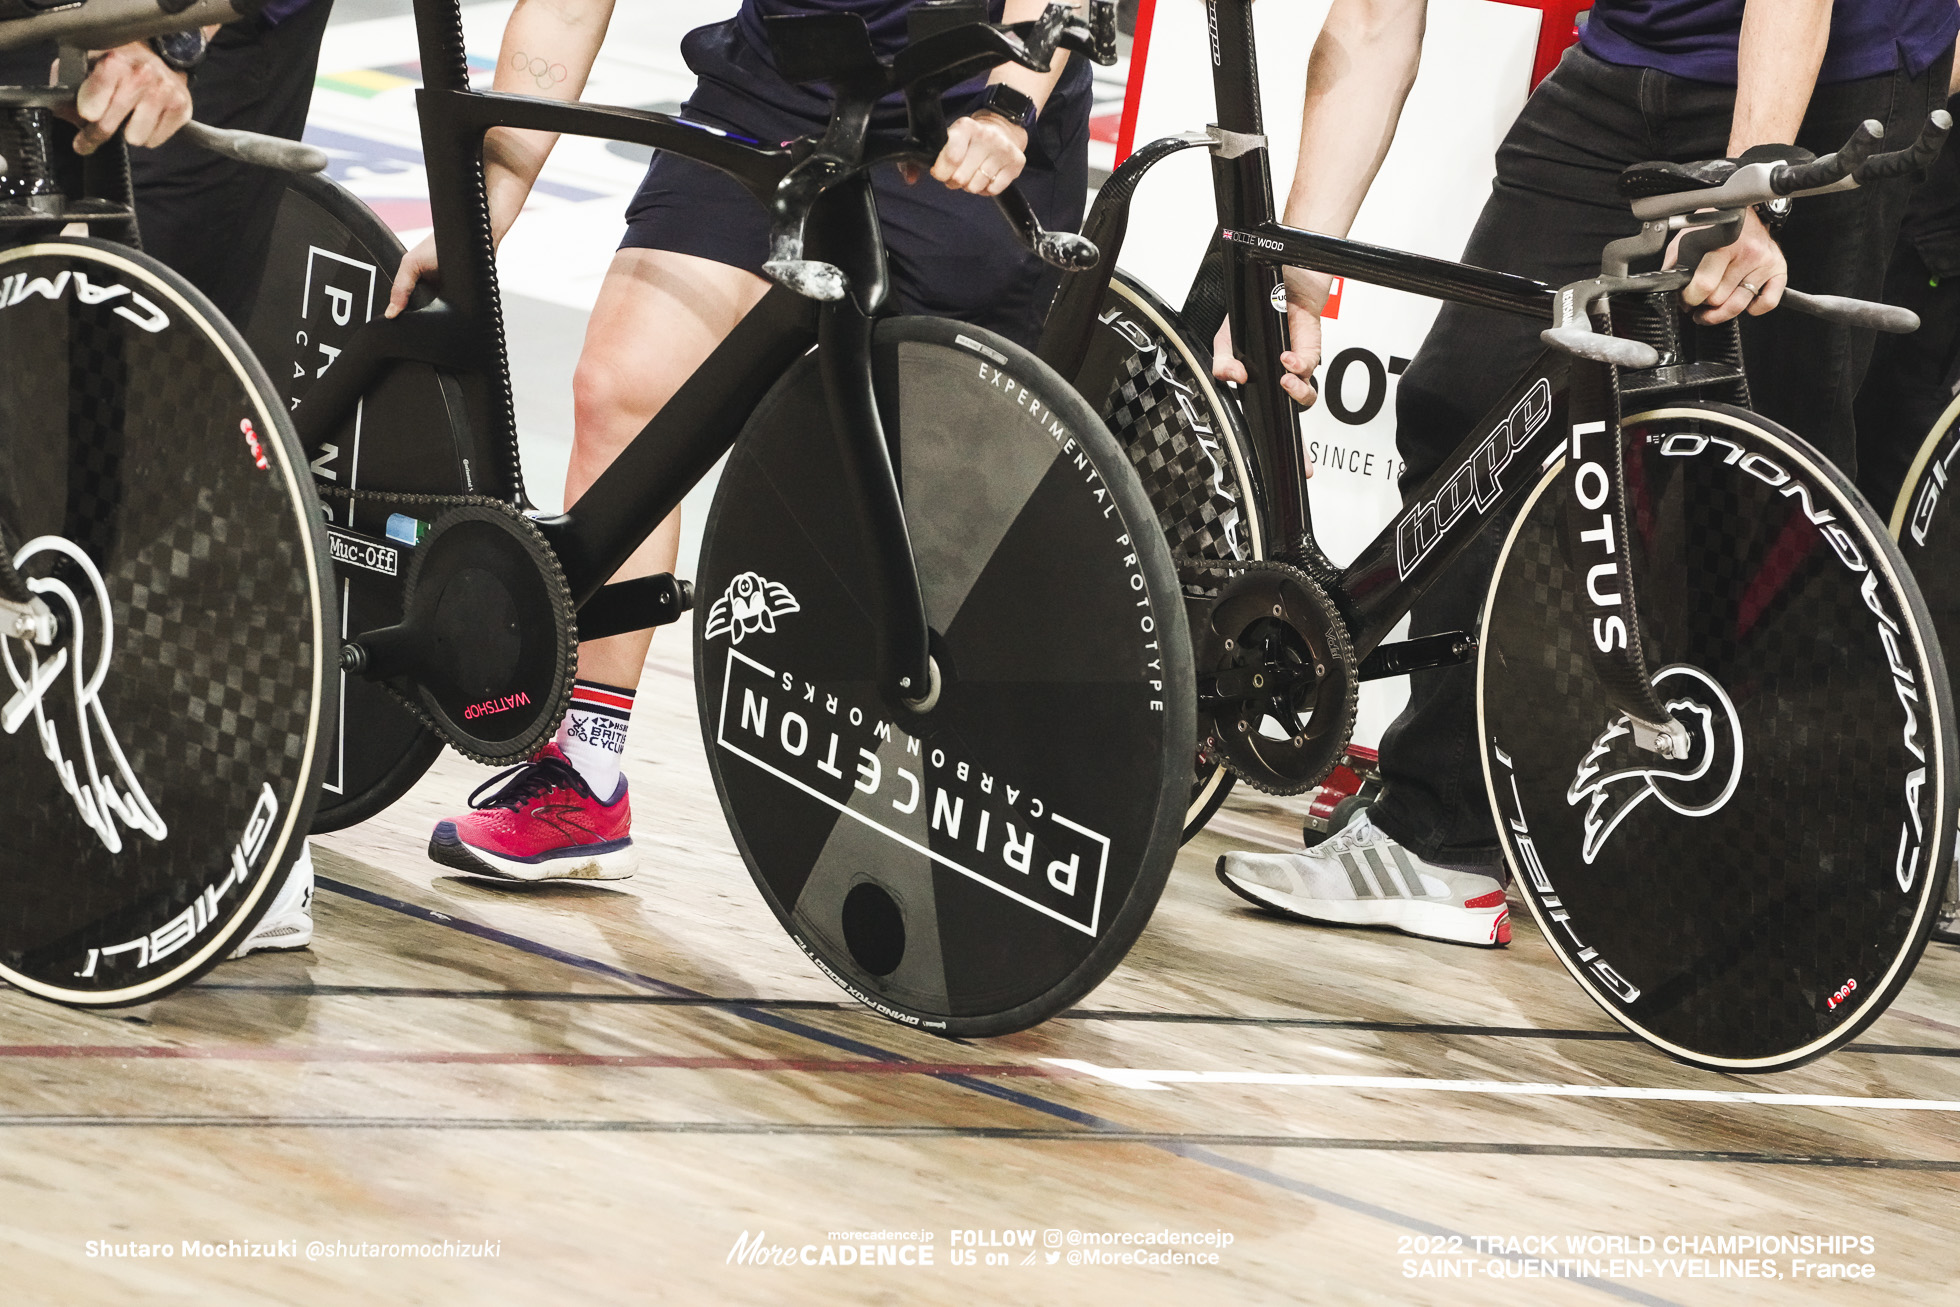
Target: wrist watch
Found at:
181, 51
1003, 101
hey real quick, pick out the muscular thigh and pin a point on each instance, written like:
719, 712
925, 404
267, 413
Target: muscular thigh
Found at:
659, 315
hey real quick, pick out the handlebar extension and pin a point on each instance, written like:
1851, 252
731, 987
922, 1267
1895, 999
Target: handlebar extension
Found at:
1856, 160
100, 24
273, 152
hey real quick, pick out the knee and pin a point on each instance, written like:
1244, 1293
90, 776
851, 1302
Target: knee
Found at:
610, 403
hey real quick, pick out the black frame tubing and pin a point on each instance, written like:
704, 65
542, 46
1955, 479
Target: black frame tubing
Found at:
1382, 584
462, 332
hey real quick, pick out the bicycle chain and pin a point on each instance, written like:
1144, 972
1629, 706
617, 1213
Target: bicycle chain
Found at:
424, 498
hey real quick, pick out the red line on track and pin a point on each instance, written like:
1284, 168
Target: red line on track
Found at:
248, 1053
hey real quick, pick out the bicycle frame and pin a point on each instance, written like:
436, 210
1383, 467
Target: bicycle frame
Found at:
462, 333
1494, 465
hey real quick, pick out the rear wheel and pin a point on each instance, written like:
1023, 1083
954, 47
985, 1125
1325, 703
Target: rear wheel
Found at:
327, 275
977, 869
1151, 381
160, 759
1761, 901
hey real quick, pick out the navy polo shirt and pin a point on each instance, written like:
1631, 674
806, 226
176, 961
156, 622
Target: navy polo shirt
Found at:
1697, 38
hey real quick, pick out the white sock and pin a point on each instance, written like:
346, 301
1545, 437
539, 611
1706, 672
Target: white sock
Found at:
593, 735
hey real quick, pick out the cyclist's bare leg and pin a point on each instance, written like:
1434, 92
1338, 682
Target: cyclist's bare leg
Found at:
658, 317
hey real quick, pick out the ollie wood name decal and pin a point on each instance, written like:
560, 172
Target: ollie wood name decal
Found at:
980, 825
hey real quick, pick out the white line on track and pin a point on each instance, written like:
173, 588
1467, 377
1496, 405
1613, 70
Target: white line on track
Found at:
1131, 1078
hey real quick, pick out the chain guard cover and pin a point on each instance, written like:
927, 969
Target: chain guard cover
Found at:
1273, 621
491, 633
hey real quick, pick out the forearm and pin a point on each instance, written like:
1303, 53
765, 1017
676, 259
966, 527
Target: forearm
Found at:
1358, 77
1036, 86
548, 50
1782, 47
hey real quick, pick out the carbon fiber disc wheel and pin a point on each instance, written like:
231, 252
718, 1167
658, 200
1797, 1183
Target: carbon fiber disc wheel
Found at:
327, 274
1186, 439
976, 870
156, 788
1927, 530
1761, 901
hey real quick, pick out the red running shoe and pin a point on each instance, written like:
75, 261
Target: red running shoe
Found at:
546, 824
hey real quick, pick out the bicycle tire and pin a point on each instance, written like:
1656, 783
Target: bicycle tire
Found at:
1150, 379
327, 273
1047, 787
149, 467
1776, 898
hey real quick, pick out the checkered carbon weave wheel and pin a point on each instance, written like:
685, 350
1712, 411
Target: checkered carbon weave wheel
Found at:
977, 869
160, 760
1759, 902
1151, 381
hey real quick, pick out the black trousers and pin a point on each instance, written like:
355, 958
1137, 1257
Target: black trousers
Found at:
1554, 205
211, 218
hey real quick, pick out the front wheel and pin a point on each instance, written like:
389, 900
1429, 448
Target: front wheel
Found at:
1759, 902
977, 869
161, 756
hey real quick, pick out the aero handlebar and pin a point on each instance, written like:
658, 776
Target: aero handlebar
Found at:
1856, 161
923, 72
101, 24
1717, 207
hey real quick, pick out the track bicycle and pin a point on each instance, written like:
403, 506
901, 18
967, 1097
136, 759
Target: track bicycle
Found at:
948, 716
1717, 728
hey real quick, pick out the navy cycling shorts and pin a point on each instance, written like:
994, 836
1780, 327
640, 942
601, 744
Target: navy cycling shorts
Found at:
951, 254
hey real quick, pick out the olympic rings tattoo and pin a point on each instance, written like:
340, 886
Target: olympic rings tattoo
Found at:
545, 73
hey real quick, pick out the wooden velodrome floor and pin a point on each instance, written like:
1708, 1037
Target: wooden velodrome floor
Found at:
613, 1085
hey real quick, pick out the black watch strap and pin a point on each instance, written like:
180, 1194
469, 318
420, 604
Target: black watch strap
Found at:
1006, 102
182, 51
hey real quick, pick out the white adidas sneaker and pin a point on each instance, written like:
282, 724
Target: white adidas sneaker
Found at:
1361, 877
288, 923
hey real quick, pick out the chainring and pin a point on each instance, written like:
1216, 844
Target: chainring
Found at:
1278, 682
489, 633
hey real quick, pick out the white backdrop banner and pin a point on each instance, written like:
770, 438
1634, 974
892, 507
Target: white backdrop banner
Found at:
1476, 71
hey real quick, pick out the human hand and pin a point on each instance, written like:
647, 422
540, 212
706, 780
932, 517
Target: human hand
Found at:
131, 89
418, 263
983, 154
1306, 294
1746, 275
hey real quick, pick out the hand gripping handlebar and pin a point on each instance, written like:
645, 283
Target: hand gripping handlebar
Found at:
942, 54
1851, 166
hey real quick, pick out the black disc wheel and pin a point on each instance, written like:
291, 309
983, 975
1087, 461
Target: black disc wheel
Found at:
327, 275
977, 869
1927, 530
1151, 380
1760, 901
160, 756
1278, 685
